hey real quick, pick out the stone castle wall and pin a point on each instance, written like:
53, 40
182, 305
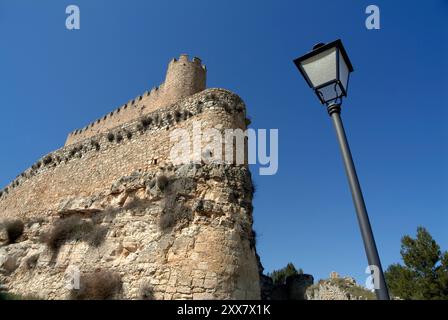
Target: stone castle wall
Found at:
80, 169
110, 178
183, 78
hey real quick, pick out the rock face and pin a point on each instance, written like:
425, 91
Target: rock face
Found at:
116, 206
183, 240
337, 288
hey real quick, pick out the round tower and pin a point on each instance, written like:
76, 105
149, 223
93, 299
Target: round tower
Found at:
184, 78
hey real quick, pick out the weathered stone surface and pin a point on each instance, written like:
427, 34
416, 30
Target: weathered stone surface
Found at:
196, 258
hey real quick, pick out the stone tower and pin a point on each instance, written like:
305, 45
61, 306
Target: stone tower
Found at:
184, 78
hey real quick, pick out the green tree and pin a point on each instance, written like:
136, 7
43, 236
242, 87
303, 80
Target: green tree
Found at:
425, 271
279, 276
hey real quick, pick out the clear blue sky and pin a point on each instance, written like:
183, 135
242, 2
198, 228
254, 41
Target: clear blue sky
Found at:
53, 80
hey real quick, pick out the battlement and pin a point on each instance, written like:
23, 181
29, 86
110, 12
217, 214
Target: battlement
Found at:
184, 77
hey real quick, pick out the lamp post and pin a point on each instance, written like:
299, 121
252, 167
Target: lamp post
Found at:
326, 69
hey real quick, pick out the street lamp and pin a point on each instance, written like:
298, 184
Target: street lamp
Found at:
326, 69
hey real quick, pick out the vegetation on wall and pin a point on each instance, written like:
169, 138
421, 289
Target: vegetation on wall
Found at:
173, 203
95, 144
162, 182
76, 229
99, 285
14, 229
147, 292
145, 122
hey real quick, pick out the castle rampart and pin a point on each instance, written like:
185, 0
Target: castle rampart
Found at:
94, 163
183, 78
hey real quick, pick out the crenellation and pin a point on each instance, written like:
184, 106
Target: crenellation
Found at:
183, 78
183, 58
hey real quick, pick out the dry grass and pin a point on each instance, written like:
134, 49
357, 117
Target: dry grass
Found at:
162, 182
97, 236
74, 228
14, 229
146, 292
174, 212
99, 285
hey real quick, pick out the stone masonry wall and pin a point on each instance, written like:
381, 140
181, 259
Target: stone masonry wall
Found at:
189, 239
80, 169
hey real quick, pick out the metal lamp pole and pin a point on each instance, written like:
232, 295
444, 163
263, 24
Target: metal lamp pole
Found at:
326, 69
334, 110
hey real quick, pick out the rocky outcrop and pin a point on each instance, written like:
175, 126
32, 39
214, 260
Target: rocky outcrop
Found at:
337, 288
180, 232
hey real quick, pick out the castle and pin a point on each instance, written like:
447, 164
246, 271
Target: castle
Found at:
111, 205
